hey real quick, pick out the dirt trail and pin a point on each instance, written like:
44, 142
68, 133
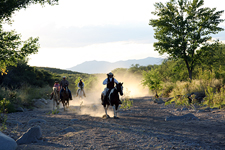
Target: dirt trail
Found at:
141, 127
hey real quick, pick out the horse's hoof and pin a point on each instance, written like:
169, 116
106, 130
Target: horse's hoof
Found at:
105, 117
116, 117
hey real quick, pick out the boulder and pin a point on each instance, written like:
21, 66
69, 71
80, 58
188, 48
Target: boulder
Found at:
7, 143
33, 135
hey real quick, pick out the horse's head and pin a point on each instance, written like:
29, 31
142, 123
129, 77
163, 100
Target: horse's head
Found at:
65, 88
54, 89
119, 88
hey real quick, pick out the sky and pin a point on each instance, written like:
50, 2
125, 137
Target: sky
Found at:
76, 31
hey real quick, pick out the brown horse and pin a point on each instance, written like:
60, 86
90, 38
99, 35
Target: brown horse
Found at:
56, 98
65, 97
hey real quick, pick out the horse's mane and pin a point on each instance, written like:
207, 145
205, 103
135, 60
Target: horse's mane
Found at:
54, 89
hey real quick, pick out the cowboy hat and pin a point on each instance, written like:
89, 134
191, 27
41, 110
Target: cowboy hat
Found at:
110, 74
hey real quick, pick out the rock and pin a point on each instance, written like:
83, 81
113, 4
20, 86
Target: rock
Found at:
44, 101
33, 135
184, 108
36, 121
7, 143
39, 104
159, 101
69, 129
13, 122
198, 96
208, 109
74, 120
19, 109
185, 117
178, 109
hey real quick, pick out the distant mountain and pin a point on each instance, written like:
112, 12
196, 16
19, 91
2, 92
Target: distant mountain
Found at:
94, 66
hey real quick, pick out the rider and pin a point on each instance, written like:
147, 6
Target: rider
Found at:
56, 84
110, 82
81, 87
63, 83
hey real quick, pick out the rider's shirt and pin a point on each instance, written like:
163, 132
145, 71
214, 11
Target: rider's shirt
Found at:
57, 86
110, 82
64, 82
80, 84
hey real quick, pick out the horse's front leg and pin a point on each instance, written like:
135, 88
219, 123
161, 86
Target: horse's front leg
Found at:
68, 102
53, 101
106, 108
115, 109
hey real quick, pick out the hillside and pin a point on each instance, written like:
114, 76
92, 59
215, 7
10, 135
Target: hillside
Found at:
58, 71
104, 66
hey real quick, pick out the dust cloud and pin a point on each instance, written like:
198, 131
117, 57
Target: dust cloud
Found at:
91, 104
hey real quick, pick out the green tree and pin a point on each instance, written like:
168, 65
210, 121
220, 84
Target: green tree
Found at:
152, 80
8, 7
183, 27
12, 48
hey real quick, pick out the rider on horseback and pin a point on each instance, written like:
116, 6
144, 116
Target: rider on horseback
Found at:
81, 87
58, 88
63, 83
110, 82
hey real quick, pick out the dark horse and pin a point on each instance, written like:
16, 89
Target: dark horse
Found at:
65, 97
113, 99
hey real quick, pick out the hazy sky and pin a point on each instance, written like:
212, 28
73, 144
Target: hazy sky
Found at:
76, 31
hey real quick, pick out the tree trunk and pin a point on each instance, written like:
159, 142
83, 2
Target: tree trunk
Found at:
190, 74
189, 69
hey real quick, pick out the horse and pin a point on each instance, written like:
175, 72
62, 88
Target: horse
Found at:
65, 97
113, 100
56, 98
80, 93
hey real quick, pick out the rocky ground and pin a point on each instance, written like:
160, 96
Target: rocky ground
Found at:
147, 125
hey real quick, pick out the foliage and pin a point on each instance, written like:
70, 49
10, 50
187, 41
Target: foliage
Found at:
126, 103
152, 80
58, 71
11, 51
183, 29
214, 98
209, 96
22, 74
88, 82
53, 112
3, 110
12, 48
6, 106
8, 7
167, 89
